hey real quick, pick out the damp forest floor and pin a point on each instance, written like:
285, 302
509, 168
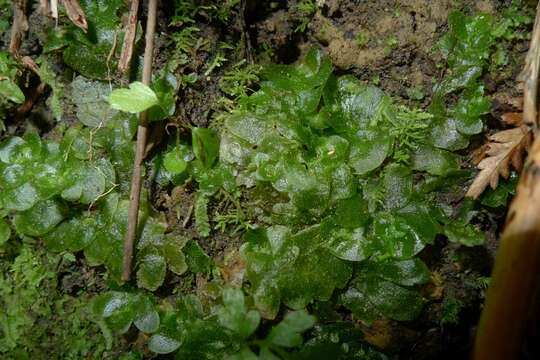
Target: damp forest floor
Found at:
304, 183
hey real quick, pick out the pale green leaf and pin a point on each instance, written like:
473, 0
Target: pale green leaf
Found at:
151, 271
161, 344
136, 99
10, 91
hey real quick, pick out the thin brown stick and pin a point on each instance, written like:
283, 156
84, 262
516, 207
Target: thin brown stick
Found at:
35, 93
129, 38
248, 54
142, 132
30, 64
19, 27
31, 99
515, 279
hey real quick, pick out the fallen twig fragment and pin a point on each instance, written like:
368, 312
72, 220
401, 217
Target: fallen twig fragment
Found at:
29, 63
35, 94
19, 27
129, 38
31, 100
142, 134
248, 53
76, 14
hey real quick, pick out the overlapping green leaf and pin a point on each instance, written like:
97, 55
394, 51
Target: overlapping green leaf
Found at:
280, 267
234, 315
287, 332
318, 163
89, 53
467, 47
383, 289
118, 310
8, 79
137, 98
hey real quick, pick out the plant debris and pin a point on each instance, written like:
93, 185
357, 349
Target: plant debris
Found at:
505, 148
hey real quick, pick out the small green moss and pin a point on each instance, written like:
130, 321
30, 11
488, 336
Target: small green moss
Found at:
361, 39
415, 93
392, 42
305, 9
450, 310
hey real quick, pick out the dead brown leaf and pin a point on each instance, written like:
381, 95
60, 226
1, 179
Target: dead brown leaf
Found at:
505, 148
513, 118
515, 102
379, 333
233, 268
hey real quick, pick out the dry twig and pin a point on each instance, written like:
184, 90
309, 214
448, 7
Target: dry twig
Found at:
19, 27
248, 53
31, 99
129, 38
142, 133
35, 93
76, 14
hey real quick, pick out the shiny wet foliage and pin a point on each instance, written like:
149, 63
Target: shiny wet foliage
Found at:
337, 189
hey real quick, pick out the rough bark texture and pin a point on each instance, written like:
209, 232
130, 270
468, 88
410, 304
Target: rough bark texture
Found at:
129, 38
515, 279
515, 276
